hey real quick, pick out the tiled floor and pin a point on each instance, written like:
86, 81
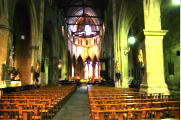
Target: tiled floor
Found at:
76, 108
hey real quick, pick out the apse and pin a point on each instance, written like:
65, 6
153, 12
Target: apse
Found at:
85, 26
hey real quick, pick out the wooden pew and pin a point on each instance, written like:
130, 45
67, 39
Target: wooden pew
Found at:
33, 104
118, 104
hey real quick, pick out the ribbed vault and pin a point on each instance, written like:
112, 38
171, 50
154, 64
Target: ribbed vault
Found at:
79, 13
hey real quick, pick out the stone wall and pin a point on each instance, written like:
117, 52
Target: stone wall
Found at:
57, 46
171, 21
40, 15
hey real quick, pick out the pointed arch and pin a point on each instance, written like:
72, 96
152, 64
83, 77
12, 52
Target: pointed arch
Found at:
74, 61
28, 17
80, 61
88, 58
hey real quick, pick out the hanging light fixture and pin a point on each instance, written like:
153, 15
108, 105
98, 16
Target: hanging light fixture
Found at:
131, 40
22, 37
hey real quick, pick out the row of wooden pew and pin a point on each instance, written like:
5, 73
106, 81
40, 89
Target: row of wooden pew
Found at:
35, 104
107, 103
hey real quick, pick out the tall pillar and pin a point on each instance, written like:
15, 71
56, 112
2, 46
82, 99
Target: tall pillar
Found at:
64, 71
155, 82
116, 55
4, 36
125, 20
124, 64
41, 26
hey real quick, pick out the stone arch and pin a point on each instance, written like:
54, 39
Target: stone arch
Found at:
74, 60
28, 11
80, 67
95, 59
88, 58
126, 15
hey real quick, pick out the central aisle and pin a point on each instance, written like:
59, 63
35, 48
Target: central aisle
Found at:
76, 108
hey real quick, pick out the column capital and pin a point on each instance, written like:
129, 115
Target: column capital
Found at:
155, 33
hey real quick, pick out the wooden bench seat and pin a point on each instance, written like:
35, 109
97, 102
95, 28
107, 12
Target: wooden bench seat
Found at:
146, 113
37, 104
118, 101
118, 104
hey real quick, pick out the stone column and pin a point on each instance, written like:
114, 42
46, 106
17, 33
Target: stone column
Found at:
41, 21
4, 36
115, 41
154, 49
64, 71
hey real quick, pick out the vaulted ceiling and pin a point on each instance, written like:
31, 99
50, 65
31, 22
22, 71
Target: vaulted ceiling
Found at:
79, 13
95, 4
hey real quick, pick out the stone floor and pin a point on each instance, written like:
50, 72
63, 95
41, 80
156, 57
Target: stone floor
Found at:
76, 108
